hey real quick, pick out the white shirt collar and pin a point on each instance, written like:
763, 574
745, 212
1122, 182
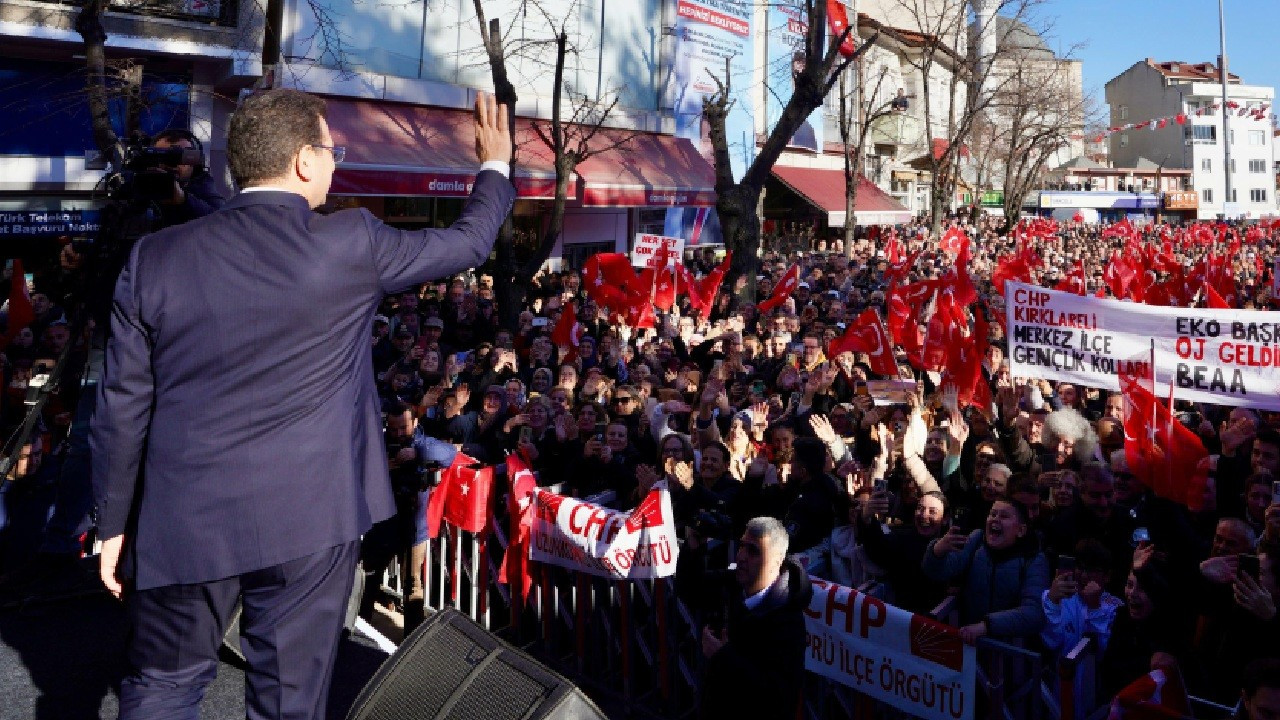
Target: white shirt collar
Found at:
754, 600
265, 188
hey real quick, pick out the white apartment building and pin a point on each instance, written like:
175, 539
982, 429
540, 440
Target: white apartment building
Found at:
1188, 96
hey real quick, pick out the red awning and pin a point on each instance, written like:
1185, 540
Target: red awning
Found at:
825, 190
646, 169
398, 149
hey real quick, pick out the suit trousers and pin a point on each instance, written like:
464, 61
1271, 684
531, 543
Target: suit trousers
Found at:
289, 632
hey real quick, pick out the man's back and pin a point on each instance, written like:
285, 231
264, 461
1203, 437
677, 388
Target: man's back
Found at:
264, 424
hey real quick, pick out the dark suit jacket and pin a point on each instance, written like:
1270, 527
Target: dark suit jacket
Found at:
239, 380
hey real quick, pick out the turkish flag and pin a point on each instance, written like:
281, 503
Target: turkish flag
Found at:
1118, 275
838, 21
954, 240
893, 251
21, 314
461, 498
662, 281
705, 293
1073, 282
1009, 267
783, 290
868, 335
898, 271
1213, 300
1160, 450
607, 277
520, 510
568, 331
1158, 695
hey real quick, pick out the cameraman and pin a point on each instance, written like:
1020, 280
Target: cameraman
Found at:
195, 194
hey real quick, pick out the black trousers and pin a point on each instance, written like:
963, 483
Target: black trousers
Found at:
289, 632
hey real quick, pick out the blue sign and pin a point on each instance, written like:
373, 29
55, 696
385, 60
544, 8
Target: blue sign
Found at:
47, 223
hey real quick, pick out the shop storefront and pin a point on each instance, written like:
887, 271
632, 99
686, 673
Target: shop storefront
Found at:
815, 197
1110, 206
1181, 206
414, 166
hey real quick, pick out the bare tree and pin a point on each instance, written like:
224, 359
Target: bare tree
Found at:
862, 105
736, 201
1040, 113
956, 83
572, 135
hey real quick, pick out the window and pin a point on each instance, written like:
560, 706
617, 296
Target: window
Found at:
1232, 139
1124, 112
1124, 140
1206, 195
1233, 166
1257, 166
1258, 195
1235, 195
1202, 134
1206, 165
1257, 137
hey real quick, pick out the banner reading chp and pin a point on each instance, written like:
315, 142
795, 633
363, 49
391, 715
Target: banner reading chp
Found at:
788, 23
709, 32
909, 661
619, 545
1222, 357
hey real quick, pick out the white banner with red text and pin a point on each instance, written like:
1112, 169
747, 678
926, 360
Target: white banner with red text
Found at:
1221, 357
610, 543
912, 662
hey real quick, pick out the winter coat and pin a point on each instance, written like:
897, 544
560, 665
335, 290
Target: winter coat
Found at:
1003, 588
759, 671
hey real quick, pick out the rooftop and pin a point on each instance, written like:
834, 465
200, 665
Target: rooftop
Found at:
1178, 70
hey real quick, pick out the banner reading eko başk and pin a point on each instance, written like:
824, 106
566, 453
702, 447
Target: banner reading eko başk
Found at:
588, 538
909, 661
1221, 357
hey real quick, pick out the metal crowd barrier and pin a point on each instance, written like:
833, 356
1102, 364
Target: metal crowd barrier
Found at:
638, 643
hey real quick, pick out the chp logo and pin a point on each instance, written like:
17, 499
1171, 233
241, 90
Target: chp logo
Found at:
937, 643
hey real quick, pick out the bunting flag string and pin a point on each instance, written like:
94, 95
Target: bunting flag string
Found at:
1259, 113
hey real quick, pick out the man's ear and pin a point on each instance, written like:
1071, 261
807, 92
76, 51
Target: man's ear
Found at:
304, 164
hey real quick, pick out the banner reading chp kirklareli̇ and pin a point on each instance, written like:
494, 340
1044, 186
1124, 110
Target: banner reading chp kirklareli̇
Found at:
1222, 357
909, 661
596, 540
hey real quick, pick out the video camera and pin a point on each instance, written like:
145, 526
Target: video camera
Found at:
146, 173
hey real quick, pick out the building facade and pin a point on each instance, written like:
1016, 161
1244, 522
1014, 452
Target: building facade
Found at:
1172, 114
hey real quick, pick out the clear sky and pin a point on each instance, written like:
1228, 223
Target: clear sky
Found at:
1117, 33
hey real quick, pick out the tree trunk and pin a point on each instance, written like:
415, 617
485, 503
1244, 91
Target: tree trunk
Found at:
89, 25
509, 294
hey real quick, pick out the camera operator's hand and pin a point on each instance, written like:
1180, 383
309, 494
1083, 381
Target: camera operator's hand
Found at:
179, 195
406, 455
493, 130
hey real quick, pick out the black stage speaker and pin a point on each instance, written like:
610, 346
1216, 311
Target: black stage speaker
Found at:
450, 667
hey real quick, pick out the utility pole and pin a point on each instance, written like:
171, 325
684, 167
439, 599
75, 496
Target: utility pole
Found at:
1226, 111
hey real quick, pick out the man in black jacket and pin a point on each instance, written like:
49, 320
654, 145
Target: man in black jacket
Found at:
755, 664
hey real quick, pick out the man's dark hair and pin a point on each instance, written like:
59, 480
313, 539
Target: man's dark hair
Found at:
1091, 554
810, 453
268, 130
1261, 673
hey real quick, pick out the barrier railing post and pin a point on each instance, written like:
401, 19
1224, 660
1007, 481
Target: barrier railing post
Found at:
581, 612
995, 678
473, 597
624, 634
547, 609
455, 586
482, 582
664, 639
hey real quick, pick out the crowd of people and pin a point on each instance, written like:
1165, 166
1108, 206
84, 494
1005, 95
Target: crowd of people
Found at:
1025, 508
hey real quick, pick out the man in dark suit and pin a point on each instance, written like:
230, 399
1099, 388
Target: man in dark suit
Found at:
237, 442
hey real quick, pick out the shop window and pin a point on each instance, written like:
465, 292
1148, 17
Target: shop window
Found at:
46, 111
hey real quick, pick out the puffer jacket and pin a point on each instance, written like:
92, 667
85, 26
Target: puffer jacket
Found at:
1001, 588
759, 671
